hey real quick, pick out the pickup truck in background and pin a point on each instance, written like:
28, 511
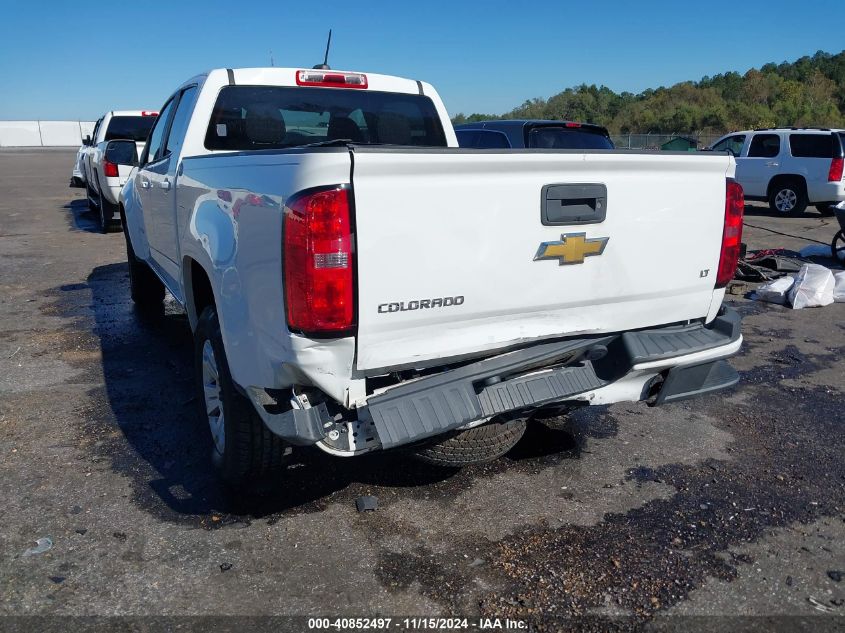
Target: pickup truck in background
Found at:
102, 178
532, 134
789, 167
355, 281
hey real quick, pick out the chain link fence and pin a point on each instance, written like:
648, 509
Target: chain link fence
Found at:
675, 141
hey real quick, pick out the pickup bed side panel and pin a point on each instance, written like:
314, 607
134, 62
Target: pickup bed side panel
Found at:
466, 225
229, 217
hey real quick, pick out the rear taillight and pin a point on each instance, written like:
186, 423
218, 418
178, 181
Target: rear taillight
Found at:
835, 173
731, 233
110, 169
318, 262
330, 79
148, 113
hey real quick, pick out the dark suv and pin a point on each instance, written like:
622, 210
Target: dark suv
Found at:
534, 134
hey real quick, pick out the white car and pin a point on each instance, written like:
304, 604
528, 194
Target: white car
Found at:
789, 167
77, 177
355, 281
101, 177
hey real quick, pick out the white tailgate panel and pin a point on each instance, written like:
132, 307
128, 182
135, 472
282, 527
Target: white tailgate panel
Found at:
468, 224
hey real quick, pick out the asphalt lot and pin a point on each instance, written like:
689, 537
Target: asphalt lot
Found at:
730, 505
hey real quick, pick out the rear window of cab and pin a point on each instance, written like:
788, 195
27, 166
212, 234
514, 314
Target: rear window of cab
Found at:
133, 128
279, 117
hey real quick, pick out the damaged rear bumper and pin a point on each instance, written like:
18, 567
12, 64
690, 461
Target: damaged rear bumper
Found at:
660, 365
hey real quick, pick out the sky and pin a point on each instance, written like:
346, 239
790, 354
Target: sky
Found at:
76, 59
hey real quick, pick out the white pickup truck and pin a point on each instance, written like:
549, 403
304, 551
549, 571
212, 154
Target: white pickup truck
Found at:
356, 281
102, 178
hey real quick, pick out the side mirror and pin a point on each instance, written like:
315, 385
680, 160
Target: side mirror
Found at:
87, 141
122, 153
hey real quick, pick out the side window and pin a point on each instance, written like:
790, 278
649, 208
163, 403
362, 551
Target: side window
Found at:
155, 144
764, 146
812, 145
732, 144
96, 128
491, 140
180, 121
466, 138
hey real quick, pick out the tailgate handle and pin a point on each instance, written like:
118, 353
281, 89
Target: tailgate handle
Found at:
562, 204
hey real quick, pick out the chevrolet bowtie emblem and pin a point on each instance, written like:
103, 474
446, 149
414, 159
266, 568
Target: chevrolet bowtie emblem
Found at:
572, 248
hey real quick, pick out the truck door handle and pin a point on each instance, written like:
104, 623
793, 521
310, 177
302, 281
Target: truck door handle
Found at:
771, 163
165, 184
582, 203
145, 184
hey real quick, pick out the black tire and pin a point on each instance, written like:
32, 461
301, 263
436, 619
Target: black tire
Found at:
837, 247
146, 290
106, 215
89, 194
477, 445
792, 191
825, 209
248, 451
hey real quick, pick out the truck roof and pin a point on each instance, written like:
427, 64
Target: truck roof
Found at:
133, 112
274, 76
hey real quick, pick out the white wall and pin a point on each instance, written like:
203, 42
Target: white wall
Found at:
44, 133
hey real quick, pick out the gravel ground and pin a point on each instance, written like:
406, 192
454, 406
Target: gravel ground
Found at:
723, 512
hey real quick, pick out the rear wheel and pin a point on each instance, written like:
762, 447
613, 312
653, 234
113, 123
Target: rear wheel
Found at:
477, 445
107, 221
788, 197
243, 448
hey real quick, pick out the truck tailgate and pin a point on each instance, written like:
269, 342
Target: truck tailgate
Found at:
454, 258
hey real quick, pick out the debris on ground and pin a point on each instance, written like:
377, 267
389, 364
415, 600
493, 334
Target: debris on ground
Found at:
815, 250
775, 291
120, 536
768, 264
839, 287
836, 575
225, 566
820, 606
44, 544
813, 287
366, 503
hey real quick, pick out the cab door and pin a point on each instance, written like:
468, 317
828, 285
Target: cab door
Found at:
148, 183
163, 175
760, 165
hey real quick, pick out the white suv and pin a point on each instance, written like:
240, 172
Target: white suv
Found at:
789, 167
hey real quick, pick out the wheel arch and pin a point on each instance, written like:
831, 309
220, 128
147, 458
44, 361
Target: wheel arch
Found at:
199, 291
781, 178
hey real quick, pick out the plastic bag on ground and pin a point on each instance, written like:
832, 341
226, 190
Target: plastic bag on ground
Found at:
815, 250
839, 287
813, 287
774, 291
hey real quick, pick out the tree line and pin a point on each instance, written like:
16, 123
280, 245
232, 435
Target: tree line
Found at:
807, 92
